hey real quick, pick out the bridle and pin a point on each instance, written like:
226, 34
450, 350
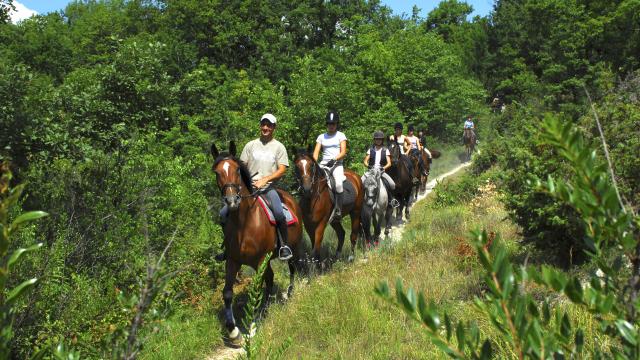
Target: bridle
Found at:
314, 172
235, 186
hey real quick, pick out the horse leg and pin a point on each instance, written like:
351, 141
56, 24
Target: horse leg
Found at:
367, 216
377, 226
387, 220
406, 210
317, 241
268, 280
227, 295
292, 275
340, 233
355, 230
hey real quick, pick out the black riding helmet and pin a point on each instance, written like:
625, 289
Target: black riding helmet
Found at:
332, 117
398, 126
378, 135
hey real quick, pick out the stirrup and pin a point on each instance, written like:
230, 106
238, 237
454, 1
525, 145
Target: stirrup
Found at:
335, 217
284, 256
395, 203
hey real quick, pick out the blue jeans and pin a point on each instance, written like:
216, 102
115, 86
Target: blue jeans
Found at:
275, 204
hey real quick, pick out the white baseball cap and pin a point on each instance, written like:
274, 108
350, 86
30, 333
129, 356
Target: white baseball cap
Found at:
270, 117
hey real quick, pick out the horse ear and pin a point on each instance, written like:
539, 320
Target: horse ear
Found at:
310, 148
232, 148
214, 151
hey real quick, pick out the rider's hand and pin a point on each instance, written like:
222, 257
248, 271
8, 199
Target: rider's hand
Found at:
330, 163
260, 183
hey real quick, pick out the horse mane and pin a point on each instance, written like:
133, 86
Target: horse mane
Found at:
245, 175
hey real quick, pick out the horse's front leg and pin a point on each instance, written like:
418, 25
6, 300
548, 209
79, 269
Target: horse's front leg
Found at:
318, 233
227, 295
387, 219
376, 226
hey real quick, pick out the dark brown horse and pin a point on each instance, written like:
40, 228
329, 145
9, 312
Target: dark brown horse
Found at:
416, 173
469, 140
424, 178
399, 172
317, 205
248, 235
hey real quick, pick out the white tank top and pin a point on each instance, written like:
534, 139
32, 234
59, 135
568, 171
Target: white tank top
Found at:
400, 141
414, 141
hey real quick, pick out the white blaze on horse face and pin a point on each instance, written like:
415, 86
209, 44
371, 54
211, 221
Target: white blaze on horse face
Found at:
304, 166
225, 167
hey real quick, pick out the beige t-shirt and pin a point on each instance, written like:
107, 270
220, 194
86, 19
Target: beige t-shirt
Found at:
264, 159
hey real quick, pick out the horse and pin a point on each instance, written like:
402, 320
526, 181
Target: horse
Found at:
376, 206
317, 205
469, 140
248, 235
416, 173
424, 177
399, 172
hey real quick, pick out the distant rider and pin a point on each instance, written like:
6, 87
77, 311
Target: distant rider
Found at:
415, 146
422, 136
267, 159
403, 144
333, 145
468, 124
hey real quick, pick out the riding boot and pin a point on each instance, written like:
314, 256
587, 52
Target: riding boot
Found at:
284, 252
337, 210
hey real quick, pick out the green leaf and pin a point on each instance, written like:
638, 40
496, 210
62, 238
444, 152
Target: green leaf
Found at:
460, 336
447, 326
29, 216
19, 290
579, 340
627, 331
573, 290
18, 253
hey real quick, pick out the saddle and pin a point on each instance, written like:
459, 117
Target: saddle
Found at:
349, 192
288, 215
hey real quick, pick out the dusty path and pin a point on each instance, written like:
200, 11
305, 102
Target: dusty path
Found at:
395, 235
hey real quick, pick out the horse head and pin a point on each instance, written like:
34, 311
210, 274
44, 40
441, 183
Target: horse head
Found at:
370, 184
231, 175
306, 171
394, 151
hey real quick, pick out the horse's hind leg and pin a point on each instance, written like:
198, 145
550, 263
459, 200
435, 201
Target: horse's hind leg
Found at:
227, 295
292, 275
268, 280
355, 231
341, 234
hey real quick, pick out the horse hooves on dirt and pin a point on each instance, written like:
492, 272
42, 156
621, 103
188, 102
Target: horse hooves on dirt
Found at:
235, 338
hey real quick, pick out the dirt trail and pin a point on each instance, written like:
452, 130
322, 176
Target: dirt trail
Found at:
227, 353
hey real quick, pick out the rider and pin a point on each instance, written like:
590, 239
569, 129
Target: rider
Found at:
333, 144
422, 136
415, 146
378, 157
468, 124
402, 142
267, 159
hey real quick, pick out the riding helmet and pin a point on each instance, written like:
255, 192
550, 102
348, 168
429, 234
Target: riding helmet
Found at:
333, 117
398, 126
378, 135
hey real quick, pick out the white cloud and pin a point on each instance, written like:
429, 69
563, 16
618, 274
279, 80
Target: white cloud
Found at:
22, 12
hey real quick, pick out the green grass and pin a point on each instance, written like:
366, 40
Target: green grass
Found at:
338, 316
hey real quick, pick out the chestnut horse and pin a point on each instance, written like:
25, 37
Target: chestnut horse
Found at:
248, 235
469, 140
317, 205
427, 167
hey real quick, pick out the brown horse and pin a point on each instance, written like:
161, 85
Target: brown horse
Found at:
469, 140
248, 235
401, 175
416, 172
317, 205
424, 178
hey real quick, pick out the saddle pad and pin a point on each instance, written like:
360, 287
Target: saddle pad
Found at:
288, 215
349, 194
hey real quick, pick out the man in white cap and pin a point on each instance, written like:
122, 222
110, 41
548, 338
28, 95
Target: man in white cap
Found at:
267, 161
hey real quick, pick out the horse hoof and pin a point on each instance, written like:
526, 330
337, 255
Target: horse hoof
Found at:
235, 337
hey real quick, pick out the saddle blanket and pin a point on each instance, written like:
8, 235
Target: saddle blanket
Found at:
349, 194
288, 215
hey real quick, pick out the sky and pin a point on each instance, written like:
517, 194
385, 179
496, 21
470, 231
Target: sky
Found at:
26, 8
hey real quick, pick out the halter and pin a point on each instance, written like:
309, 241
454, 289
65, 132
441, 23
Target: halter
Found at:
313, 175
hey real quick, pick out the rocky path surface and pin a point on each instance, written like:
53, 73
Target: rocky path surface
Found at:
228, 353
